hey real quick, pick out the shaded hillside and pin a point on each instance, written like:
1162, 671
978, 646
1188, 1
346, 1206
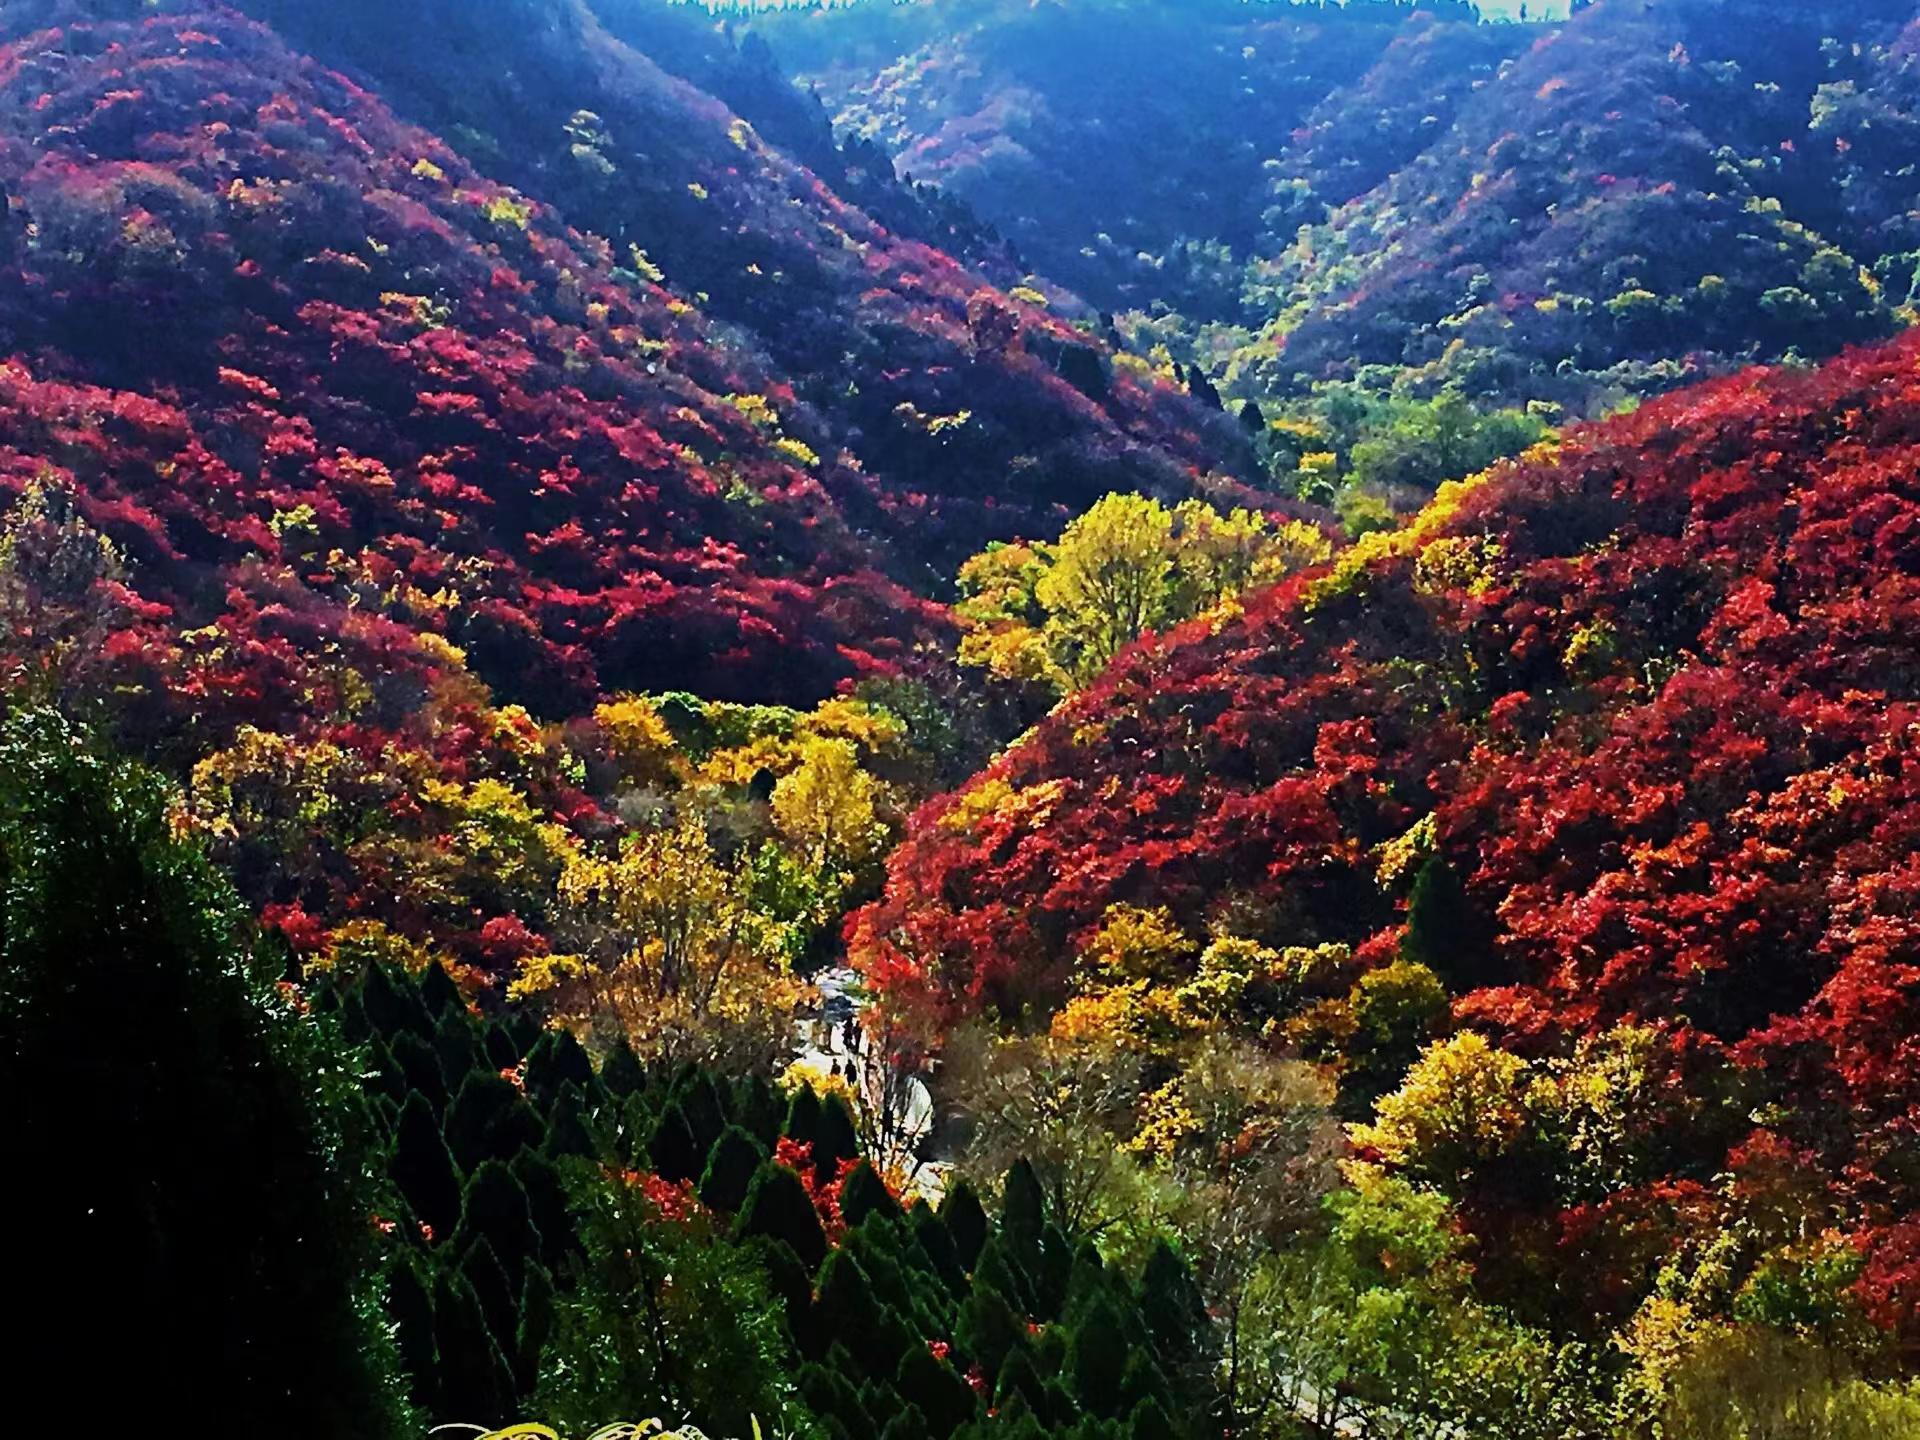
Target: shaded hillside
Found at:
1652, 192
1576, 212
1117, 144
971, 414
293, 352
1617, 741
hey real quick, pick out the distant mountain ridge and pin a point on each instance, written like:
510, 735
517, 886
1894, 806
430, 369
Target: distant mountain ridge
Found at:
1522, 211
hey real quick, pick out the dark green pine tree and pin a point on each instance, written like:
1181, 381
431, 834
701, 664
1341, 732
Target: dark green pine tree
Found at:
457, 1041
1097, 1358
392, 1003
834, 1140
699, 1100
1149, 1422
1019, 1383
791, 1283
1175, 1312
419, 1068
1023, 1208
410, 1306
864, 1194
555, 1061
536, 1327
930, 1385
422, 1167
847, 1308
439, 993
547, 1203
758, 1109
1087, 1279
941, 1252
475, 1384
990, 1329
966, 1221
907, 1424
495, 1209
193, 1197
803, 1116
503, 1045
570, 1126
1448, 933
672, 1151
730, 1170
999, 1270
499, 1297
621, 1072
831, 1396
777, 1206
489, 1120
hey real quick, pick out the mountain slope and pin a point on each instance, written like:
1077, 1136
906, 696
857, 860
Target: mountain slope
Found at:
973, 415
1638, 716
1652, 192
335, 353
1100, 137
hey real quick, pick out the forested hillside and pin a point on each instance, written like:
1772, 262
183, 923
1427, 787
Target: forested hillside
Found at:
1554, 216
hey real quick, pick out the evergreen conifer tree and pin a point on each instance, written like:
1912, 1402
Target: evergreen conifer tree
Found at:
777, 1205
193, 1199
730, 1170
422, 1167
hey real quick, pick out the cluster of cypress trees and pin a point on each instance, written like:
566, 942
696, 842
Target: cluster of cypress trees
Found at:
918, 1322
213, 1153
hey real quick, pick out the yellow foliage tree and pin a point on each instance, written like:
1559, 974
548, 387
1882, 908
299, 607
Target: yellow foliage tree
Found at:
826, 808
666, 950
1056, 614
1462, 1105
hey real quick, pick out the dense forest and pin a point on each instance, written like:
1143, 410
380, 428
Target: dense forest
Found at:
1118, 719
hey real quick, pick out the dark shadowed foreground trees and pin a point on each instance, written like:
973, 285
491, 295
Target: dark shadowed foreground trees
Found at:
192, 1214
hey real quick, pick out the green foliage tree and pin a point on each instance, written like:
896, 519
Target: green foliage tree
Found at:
664, 1318
198, 1199
422, 1167
777, 1206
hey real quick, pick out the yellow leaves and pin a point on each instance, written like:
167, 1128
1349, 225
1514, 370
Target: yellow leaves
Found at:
1166, 1124
994, 799
543, 974
797, 451
665, 946
1027, 295
1400, 857
419, 310
873, 731
697, 190
1460, 1106
360, 943
507, 211
758, 410
1456, 563
1133, 943
1056, 614
438, 648
644, 266
826, 807
639, 740
425, 169
1013, 652
741, 134
494, 827
1102, 1018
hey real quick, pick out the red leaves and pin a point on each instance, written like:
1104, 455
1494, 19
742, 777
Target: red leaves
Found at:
1708, 824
